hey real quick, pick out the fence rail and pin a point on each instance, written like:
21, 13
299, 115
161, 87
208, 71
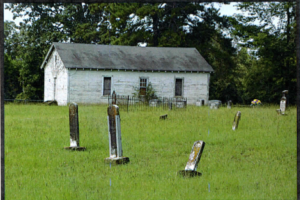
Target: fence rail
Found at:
133, 103
22, 101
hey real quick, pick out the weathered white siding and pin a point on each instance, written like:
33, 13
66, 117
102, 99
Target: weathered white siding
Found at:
86, 86
56, 80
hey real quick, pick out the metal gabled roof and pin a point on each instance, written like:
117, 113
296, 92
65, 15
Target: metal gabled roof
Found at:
129, 57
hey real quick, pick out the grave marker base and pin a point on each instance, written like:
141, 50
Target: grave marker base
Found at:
117, 160
75, 148
188, 173
280, 113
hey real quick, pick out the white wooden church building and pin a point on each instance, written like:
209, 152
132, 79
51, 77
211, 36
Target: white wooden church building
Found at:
88, 73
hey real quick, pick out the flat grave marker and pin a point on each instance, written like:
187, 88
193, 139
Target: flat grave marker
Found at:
74, 128
163, 116
194, 158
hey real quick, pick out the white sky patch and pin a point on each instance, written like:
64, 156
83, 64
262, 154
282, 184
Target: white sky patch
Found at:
8, 16
228, 9
224, 10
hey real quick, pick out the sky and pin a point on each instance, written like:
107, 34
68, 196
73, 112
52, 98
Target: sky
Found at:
224, 10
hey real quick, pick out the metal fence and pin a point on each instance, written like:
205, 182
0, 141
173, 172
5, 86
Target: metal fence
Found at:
129, 103
23, 101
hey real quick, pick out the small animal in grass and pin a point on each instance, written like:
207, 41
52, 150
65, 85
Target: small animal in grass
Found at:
163, 116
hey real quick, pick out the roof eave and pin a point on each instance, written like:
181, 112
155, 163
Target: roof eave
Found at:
47, 56
147, 70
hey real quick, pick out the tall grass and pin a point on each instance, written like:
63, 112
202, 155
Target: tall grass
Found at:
257, 161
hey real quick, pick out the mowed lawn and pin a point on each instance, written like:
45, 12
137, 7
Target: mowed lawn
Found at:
257, 161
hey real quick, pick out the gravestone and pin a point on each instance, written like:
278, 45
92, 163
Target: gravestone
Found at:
200, 102
283, 102
180, 104
114, 134
163, 116
153, 103
114, 98
278, 111
74, 128
192, 164
214, 106
229, 104
236, 120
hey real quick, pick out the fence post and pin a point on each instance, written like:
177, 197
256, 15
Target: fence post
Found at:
127, 103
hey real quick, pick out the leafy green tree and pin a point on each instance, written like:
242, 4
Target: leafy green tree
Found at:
157, 24
43, 25
273, 47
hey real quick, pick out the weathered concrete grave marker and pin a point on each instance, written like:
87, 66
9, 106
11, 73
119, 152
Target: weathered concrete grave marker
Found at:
283, 102
192, 164
114, 98
163, 116
74, 128
229, 104
114, 134
236, 120
278, 111
200, 102
214, 106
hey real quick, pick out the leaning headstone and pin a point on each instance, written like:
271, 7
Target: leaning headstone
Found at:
229, 104
74, 128
192, 164
236, 120
283, 102
114, 134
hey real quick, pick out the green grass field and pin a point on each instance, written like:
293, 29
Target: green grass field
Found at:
257, 161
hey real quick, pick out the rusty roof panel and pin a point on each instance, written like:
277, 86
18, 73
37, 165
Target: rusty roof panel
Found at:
131, 57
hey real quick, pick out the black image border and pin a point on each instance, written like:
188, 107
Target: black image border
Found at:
2, 117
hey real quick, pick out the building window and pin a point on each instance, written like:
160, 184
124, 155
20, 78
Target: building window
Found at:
178, 87
143, 86
107, 86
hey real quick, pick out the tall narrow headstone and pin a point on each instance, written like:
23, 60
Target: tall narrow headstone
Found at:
229, 104
236, 120
114, 134
283, 102
74, 128
192, 164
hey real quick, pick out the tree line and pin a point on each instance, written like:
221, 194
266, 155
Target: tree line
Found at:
253, 56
